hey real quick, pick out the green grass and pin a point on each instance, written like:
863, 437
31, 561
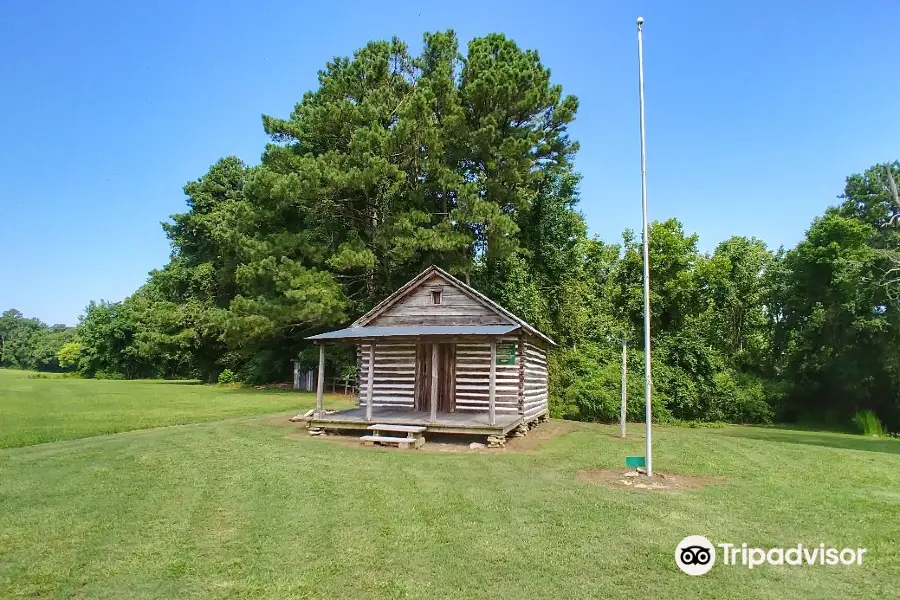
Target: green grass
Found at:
236, 508
868, 423
36, 409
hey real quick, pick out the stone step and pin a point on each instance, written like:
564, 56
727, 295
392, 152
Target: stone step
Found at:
386, 439
403, 443
398, 428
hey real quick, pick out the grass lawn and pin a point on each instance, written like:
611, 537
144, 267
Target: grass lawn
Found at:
243, 507
45, 408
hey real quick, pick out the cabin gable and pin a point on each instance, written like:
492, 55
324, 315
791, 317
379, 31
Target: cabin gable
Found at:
437, 301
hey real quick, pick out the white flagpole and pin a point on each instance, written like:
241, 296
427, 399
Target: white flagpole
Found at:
624, 385
647, 386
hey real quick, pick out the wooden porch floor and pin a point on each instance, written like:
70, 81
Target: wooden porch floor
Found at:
475, 423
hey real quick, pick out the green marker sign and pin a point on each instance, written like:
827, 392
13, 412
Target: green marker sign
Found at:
506, 354
634, 462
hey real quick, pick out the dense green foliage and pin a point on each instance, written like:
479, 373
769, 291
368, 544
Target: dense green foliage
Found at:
31, 344
398, 161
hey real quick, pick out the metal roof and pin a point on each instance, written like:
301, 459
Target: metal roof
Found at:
355, 333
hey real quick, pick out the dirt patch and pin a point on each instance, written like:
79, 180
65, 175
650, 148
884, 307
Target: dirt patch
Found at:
279, 420
543, 433
445, 442
540, 435
660, 482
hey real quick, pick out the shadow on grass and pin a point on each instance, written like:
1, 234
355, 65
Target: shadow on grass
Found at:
813, 438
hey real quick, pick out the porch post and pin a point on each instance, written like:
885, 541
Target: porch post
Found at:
492, 385
370, 387
320, 389
434, 381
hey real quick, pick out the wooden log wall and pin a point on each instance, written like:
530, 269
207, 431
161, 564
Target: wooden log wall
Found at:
535, 381
395, 374
455, 308
395, 377
473, 372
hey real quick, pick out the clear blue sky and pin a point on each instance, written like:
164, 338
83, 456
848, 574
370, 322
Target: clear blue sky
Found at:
756, 111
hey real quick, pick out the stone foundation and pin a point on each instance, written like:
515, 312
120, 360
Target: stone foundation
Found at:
496, 441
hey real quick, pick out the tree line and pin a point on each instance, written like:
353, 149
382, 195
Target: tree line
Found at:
398, 161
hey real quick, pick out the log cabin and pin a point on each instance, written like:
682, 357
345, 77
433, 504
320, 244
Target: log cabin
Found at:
438, 356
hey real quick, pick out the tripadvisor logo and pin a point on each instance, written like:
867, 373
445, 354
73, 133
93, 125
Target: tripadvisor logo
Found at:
696, 555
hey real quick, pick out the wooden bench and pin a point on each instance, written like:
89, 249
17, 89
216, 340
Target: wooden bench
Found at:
413, 439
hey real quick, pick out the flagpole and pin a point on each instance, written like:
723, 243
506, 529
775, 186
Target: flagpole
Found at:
647, 385
624, 412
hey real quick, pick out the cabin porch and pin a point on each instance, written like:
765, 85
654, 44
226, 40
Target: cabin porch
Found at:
462, 422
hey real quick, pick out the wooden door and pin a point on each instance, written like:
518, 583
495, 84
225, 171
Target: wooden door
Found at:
446, 371
447, 378
423, 377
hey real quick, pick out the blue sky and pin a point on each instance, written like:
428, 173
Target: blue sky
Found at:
756, 111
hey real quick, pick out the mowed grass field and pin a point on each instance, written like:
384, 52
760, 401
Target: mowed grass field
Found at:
37, 408
247, 506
